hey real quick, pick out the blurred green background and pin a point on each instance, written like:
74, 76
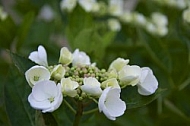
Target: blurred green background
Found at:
169, 57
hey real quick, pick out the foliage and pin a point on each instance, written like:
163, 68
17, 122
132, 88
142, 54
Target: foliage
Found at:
168, 56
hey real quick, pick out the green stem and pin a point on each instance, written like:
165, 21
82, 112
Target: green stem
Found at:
79, 113
90, 111
72, 109
39, 120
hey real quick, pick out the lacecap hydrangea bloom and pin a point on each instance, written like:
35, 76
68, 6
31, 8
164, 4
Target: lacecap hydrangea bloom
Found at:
76, 77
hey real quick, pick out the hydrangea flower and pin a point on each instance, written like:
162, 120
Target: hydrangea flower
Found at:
129, 75
68, 87
68, 5
148, 82
159, 19
88, 5
36, 74
115, 7
80, 58
58, 72
39, 57
118, 64
110, 83
114, 25
65, 57
46, 96
110, 103
91, 86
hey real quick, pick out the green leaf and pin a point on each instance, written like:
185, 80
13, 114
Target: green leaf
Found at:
4, 120
7, 32
16, 93
24, 29
134, 100
22, 63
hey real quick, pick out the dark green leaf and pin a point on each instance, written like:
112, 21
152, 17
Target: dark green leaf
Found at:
16, 92
7, 32
134, 100
22, 63
49, 119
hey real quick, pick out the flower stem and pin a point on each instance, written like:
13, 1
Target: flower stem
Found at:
72, 109
90, 111
78, 114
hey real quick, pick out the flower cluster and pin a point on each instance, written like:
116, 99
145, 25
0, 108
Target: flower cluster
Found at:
156, 24
76, 77
181, 4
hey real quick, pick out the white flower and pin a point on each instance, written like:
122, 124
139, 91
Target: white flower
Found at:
127, 17
91, 86
159, 19
186, 15
58, 72
162, 30
114, 25
148, 82
115, 7
181, 4
68, 87
88, 5
3, 15
39, 57
150, 27
111, 104
46, 96
46, 13
110, 83
118, 64
68, 5
80, 58
36, 74
112, 73
66, 56
139, 19
129, 75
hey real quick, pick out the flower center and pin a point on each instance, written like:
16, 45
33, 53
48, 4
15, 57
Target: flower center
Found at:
51, 99
36, 78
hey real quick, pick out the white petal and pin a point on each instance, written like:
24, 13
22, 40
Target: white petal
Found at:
57, 101
39, 57
80, 58
42, 55
130, 74
34, 56
102, 99
112, 82
91, 86
44, 89
38, 104
148, 82
111, 104
69, 86
41, 96
114, 104
118, 64
37, 71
